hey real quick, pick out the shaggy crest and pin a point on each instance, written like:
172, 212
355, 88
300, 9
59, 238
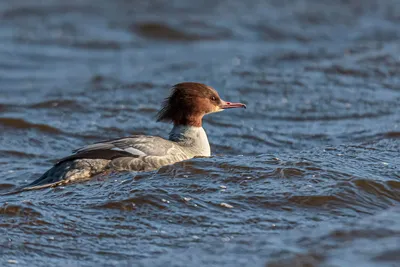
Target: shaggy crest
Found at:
188, 103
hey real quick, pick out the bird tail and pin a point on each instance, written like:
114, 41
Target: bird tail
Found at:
65, 173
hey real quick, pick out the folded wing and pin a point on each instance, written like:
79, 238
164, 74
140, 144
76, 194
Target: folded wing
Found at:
133, 146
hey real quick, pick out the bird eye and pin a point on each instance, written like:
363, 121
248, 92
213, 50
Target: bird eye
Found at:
213, 98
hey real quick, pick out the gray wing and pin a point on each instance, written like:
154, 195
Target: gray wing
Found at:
134, 153
137, 145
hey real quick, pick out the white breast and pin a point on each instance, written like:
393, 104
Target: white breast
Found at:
193, 138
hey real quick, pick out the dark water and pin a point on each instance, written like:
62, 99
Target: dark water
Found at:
308, 175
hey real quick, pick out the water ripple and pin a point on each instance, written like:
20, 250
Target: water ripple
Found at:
15, 123
308, 172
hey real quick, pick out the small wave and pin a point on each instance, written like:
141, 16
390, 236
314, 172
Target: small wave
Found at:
162, 32
379, 230
15, 123
66, 42
254, 138
315, 201
137, 86
44, 11
6, 186
362, 195
132, 204
306, 259
3, 107
158, 31
15, 210
297, 56
56, 104
384, 190
393, 134
98, 44
390, 255
332, 117
18, 154
341, 70
377, 59
382, 34
272, 33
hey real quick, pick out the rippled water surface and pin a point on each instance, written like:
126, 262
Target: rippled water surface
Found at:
308, 175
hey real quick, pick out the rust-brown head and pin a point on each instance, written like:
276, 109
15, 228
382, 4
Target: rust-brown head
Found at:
189, 102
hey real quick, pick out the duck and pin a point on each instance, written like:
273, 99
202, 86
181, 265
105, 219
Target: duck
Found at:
185, 108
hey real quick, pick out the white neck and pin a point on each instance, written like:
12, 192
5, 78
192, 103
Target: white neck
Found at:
194, 138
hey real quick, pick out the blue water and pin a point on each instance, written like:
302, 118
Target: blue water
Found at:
307, 175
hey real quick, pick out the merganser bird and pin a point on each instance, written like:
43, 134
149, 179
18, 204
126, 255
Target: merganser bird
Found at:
185, 107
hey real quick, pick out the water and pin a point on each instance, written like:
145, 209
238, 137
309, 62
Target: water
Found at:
308, 175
